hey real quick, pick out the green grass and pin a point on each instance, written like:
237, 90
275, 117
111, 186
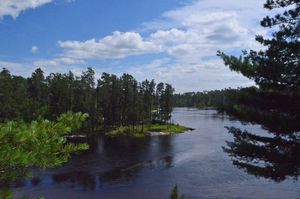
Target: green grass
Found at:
140, 131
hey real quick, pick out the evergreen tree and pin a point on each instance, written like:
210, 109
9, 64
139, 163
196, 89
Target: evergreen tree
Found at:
158, 98
147, 91
58, 89
277, 67
89, 96
6, 109
275, 103
37, 89
166, 103
40, 143
13, 96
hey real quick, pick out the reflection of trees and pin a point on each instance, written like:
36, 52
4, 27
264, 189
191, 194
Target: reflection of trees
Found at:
83, 179
113, 161
165, 144
130, 171
88, 180
121, 159
273, 156
270, 157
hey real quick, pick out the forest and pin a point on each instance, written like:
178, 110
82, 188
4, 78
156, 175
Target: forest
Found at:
109, 100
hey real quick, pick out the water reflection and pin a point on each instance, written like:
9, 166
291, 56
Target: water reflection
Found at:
274, 154
274, 158
81, 178
109, 160
35, 181
88, 181
130, 171
149, 168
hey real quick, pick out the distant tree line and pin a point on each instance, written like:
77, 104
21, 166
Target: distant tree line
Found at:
111, 100
205, 99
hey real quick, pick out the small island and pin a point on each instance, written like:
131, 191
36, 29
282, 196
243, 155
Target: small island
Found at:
141, 131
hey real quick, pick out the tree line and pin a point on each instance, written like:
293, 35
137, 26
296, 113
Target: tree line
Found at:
109, 101
205, 99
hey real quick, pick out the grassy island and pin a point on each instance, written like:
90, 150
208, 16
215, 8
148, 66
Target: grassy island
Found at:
141, 131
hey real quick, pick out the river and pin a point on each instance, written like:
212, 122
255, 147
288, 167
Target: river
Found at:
148, 168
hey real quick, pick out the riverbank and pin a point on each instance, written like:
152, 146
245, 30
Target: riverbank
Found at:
141, 131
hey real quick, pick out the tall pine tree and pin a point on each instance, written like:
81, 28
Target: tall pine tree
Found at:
275, 103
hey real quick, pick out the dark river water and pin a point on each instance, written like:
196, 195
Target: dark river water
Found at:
148, 168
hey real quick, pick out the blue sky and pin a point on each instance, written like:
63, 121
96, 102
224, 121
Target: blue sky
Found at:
173, 41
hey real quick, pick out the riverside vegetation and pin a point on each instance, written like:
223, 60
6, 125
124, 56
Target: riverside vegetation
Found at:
37, 113
114, 103
123, 103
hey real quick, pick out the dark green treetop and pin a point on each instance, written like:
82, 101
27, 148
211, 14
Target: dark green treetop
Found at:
278, 66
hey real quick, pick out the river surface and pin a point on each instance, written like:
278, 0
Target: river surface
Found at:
148, 168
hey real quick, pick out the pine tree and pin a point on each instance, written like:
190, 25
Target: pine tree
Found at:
278, 66
275, 103
40, 143
37, 89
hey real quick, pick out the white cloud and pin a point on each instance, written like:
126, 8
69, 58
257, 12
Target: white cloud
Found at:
26, 68
198, 30
13, 8
188, 39
205, 26
192, 34
115, 46
205, 75
17, 68
58, 61
6, 64
34, 49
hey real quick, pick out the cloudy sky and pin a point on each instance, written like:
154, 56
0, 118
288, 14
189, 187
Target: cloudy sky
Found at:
173, 41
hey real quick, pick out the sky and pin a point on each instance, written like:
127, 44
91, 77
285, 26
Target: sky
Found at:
173, 41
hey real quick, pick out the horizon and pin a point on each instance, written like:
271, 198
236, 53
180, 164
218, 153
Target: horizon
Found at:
170, 41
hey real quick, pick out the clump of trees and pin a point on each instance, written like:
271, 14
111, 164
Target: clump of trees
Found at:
109, 101
275, 103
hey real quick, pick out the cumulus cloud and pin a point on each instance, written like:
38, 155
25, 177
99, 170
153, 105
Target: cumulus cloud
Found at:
206, 26
205, 75
34, 49
192, 34
198, 29
115, 46
13, 8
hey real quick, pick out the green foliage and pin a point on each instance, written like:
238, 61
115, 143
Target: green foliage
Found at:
274, 104
40, 143
278, 66
6, 194
140, 131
